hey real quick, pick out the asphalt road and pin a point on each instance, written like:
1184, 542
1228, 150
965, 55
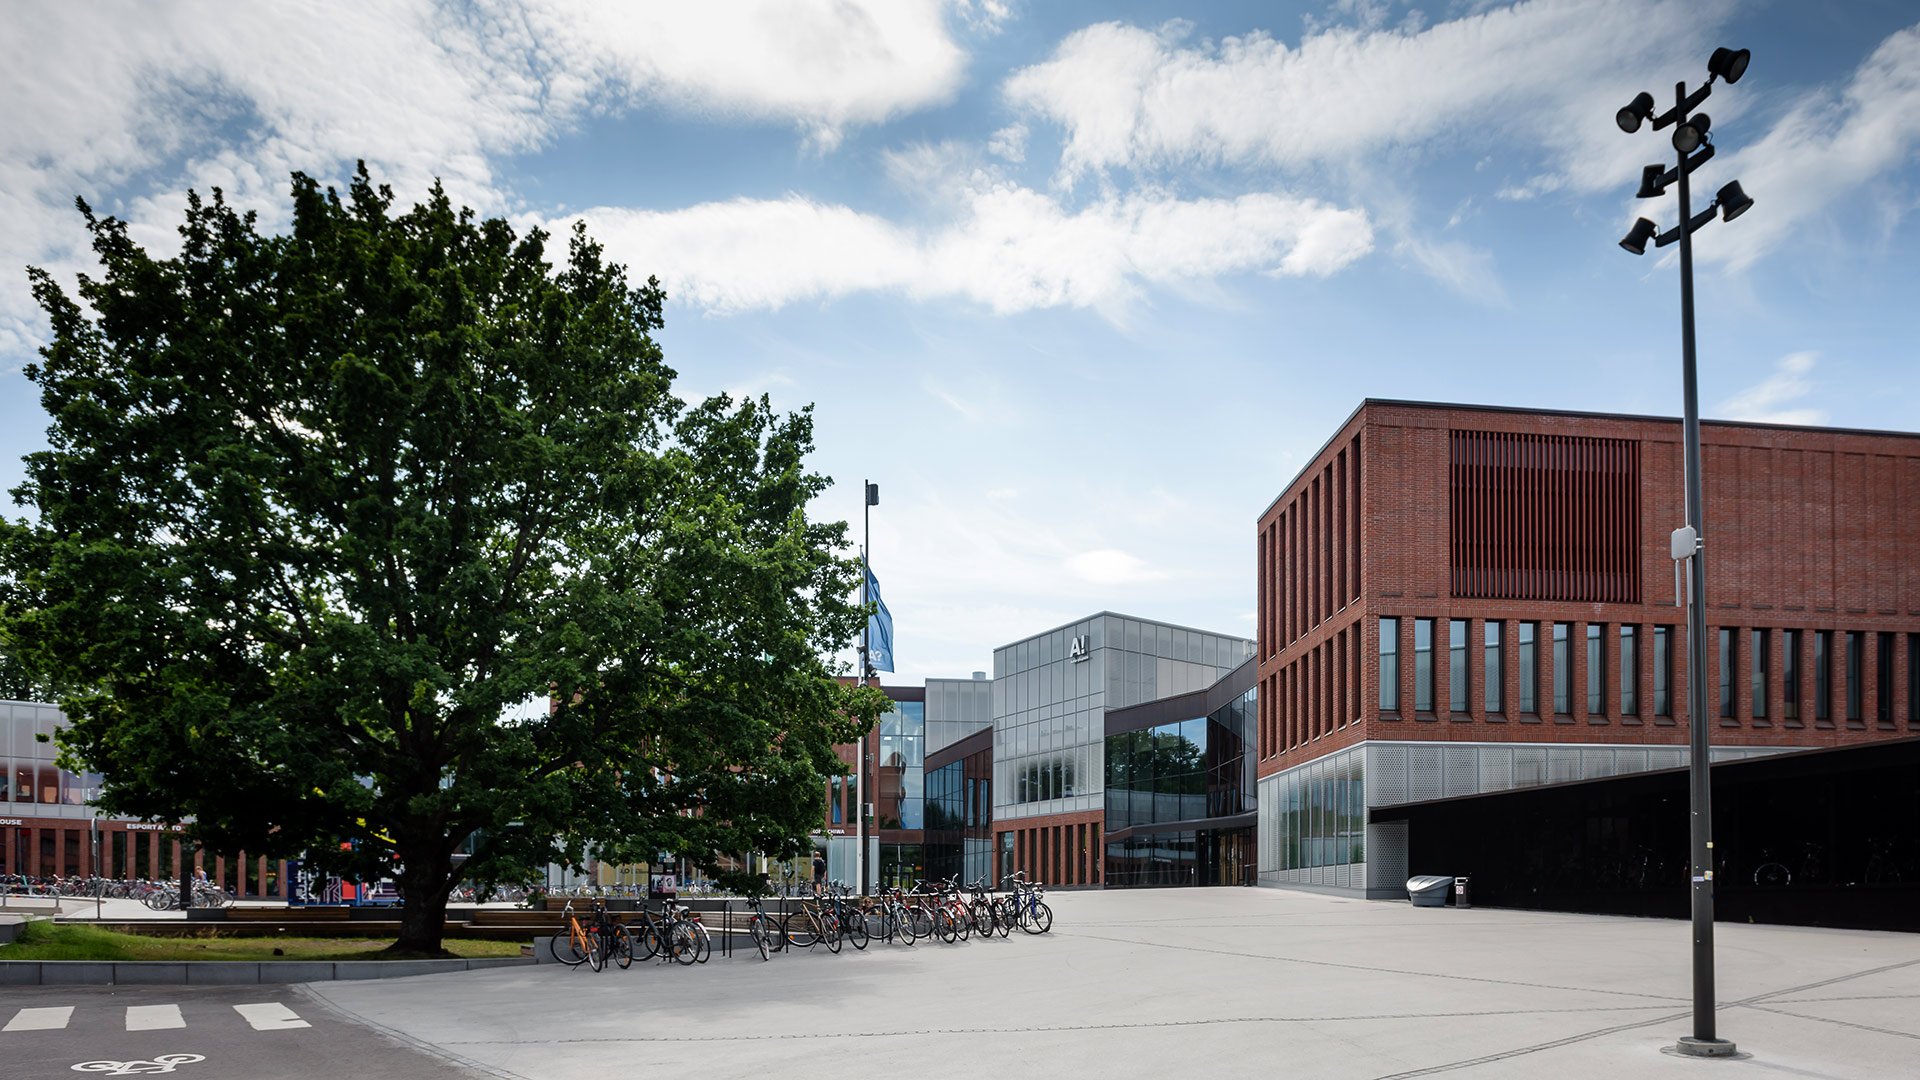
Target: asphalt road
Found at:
201, 1032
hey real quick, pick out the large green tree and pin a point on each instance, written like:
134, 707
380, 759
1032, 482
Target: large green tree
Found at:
321, 506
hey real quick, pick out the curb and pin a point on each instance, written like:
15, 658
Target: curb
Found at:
229, 972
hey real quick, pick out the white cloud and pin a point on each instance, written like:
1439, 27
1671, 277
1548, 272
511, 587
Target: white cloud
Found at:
1128, 97
1465, 269
824, 64
1767, 401
1009, 143
986, 16
129, 105
1107, 566
1822, 151
1009, 247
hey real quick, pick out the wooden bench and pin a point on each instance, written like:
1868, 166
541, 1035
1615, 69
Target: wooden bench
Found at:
287, 914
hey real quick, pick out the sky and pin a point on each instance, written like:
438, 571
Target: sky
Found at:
1080, 286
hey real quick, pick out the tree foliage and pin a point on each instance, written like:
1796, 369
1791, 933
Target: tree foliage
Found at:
320, 507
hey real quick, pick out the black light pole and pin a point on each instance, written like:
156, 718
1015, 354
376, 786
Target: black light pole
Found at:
1690, 142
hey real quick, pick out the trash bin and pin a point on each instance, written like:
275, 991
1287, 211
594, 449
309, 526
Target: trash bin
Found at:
1460, 893
1429, 890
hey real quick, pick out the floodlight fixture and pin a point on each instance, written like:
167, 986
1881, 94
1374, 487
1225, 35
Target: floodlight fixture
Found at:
1732, 201
1653, 182
1636, 239
1729, 64
1691, 135
1636, 112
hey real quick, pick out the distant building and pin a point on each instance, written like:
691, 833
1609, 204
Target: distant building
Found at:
1455, 600
48, 826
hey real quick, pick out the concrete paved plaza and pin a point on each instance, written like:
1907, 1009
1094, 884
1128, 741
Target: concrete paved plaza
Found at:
1198, 983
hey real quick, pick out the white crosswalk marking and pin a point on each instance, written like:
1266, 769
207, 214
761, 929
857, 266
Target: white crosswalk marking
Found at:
40, 1019
153, 1017
270, 1016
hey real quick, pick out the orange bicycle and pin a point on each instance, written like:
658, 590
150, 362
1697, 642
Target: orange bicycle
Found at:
574, 944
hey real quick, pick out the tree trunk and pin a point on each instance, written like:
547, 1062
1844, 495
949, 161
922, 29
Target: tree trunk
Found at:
186, 875
423, 893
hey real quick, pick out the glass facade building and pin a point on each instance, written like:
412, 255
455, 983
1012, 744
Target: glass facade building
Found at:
1179, 798
1051, 694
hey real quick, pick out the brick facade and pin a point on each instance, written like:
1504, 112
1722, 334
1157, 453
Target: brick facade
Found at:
1807, 529
1057, 849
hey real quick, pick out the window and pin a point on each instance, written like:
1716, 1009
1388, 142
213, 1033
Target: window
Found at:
1629, 671
1761, 663
1726, 672
1883, 681
1562, 668
834, 800
1423, 665
1496, 673
1457, 679
1596, 670
1823, 675
1389, 665
1529, 669
1855, 647
1663, 671
1913, 680
1790, 675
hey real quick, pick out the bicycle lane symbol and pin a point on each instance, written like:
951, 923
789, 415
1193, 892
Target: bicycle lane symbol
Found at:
165, 1063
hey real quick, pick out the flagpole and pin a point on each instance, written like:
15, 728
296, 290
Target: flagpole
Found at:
866, 646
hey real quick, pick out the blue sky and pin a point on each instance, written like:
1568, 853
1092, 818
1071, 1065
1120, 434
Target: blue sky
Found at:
1080, 285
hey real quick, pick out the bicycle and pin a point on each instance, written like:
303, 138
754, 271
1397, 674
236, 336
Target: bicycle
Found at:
757, 929
1029, 903
811, 924
982, 909
684, 938
574, 944
894, 918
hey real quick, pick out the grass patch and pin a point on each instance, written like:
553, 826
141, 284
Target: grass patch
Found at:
45, 940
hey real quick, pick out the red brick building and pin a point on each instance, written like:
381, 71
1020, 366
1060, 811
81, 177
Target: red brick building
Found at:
1458, 599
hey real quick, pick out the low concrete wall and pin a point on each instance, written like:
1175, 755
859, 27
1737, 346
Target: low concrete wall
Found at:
228, 973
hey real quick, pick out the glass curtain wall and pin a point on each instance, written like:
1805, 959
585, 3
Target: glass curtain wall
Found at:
959, 835
1319, 814
1181, 772
901, 798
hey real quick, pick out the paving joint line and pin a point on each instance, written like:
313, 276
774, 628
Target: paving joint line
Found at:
1042, 1028
1749, 1002
1664, 998
432, 1050
1831, 1020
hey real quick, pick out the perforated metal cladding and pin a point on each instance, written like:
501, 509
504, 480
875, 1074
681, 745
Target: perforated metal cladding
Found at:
1461, 770
1387, 855
1544, 517
1387, 775
1423, 773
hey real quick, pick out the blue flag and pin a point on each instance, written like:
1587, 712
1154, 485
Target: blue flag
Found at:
879, 628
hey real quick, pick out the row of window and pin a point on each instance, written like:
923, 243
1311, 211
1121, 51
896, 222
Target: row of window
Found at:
1753, 653
1613, 658
44, 782
1492, 675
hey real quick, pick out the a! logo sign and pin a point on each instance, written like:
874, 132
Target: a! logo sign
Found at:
165, 1063
1077, 650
